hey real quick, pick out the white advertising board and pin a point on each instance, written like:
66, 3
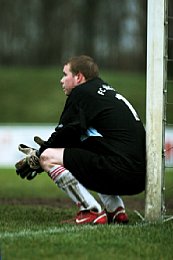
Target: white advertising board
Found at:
169, 147
12, 135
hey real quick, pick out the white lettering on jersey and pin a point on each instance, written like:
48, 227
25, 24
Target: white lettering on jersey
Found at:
118, 96
103, 89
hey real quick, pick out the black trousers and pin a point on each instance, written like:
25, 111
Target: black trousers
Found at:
103, 173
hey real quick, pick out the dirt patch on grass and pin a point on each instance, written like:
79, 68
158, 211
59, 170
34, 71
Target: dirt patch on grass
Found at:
52, 202
131, 203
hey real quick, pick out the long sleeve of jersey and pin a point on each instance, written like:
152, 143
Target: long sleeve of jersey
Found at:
70, 128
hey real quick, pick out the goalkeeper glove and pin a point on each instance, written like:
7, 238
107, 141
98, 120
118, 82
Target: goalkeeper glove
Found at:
31, 156
38, 140
24, 171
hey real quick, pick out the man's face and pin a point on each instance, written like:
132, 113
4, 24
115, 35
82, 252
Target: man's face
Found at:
68, 81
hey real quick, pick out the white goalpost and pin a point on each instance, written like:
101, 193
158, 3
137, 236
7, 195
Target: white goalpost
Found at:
155, 83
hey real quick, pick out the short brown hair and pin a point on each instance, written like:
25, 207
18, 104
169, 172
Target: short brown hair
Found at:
84, 64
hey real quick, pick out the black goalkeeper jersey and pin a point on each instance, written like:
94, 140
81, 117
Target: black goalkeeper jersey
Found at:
96, 104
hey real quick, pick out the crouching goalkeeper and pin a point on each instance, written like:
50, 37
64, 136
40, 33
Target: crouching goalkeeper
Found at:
98, 145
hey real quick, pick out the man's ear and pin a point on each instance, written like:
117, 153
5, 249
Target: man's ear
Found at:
80, 78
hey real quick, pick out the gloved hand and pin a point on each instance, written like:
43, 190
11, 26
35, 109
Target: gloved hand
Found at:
31, 156
24, 171
38, 140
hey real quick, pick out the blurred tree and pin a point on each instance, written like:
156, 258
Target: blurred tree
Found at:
19, 31
87, 22
51, 28
42, 32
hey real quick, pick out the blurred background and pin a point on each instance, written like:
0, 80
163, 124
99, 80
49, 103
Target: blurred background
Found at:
37, 36
45, 32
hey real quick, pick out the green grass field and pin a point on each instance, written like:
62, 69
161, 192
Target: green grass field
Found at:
34, 95
24, 90
31, 215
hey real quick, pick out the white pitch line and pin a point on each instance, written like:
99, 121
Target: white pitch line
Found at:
63, 229
48, 231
